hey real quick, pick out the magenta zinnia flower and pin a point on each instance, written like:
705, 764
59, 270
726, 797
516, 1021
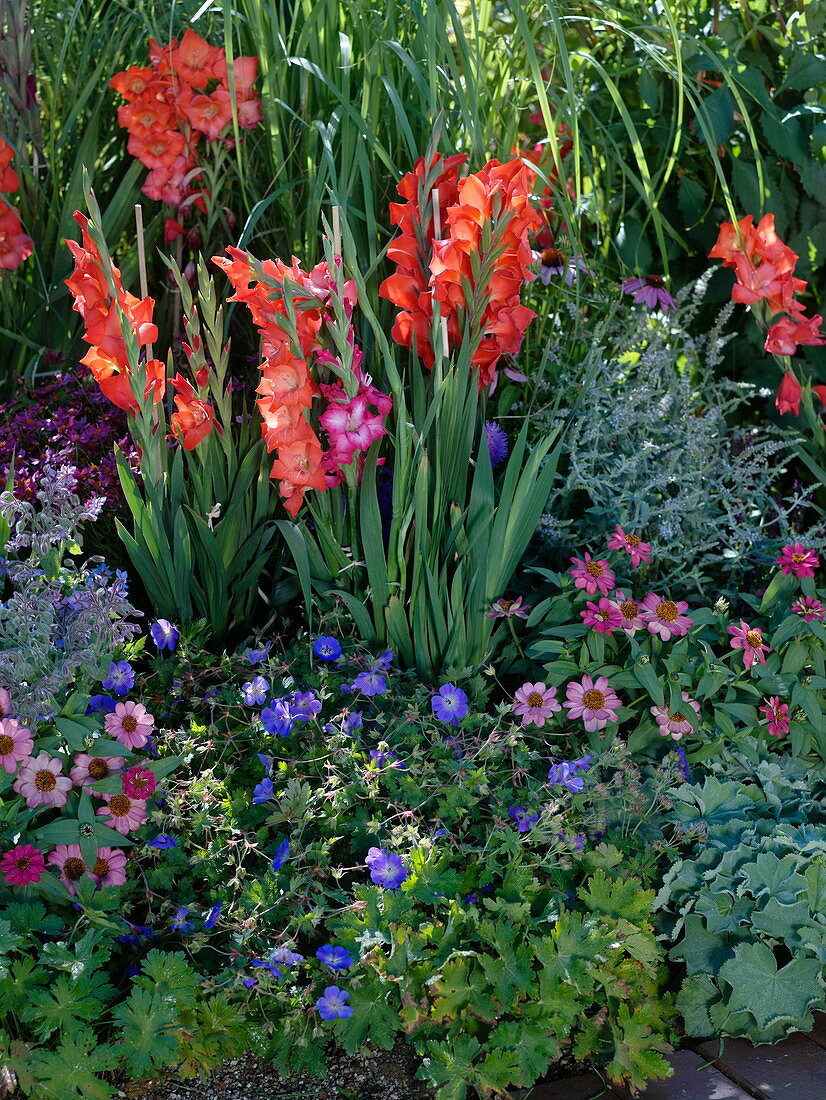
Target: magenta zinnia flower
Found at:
16, 744
69, 859
795, 559
629, 612
109, 868
41, 783
508, 609
649, 291
750, 640
131, 724
665, 617
594, 701
592, 574
123, 813
633, 544
809, 608
22, 865
675, 723
535, 703
603, 616
91, 769
139, 783
778, 716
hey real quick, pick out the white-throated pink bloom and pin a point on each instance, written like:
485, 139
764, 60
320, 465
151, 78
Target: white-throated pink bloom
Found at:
673, 723
665, 617
42, 783
109, 868
16, 744
594, 701
69, 860
122, 812
131, 724
91, 769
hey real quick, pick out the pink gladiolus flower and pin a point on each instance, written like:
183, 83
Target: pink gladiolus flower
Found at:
69, 859
139, 783
16, 744
535, 703
675, 723
22, 865
633, 544
603, 616
594, 701
750, 640
122, 812
809, 608
629, 612
41, 783
592, 575
778, 716
665, 617
109, 868
795, 559
91, 769
131, 724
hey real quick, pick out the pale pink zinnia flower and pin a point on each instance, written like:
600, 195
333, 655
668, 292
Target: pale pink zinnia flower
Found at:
778, 716
16, 744
603, 616
123, 813
91, 769
131, 724
592, 575
594, 701
535, 703
5, 703
629, 612
139, 782
665, 617
109, 868
809, 608
508, 609
750, 640
41, 783
632, 544
22, 865
69, 859
796, 559
674, 722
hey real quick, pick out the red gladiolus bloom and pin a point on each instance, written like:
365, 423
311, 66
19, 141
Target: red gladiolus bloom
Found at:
15, 245
789, 395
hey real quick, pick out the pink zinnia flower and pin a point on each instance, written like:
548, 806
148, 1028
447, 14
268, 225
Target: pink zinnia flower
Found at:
778, 716
508, 609
629, 613
109, 868
69, 859
22, 865
131, 724
809, 608
16, 744
41, 783
139, 783
592, 574
795, 559
750, 640
665, 617
594, 701
535, 703
604, 616
675, 722
633, 544
123, 813
5, 703
91, 769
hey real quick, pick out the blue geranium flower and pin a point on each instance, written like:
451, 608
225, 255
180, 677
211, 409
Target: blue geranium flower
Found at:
386, 868
101, 704
336, 958
179, 922
263, 792
277, 719
523, 820
282, 854
333, 1005
255, 691
370, 683
163, 841
164, 634
450, 704
120, 678
327, 649
212, 917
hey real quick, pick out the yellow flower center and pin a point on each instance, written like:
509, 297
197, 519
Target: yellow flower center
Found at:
604, 614
129, 723
22, 863
98, 769
633, 540
629, 609
667, 611
594, 568
120, 805
6, 744
593, 699
798, 558
101, 867
754, 638
45, 781
535, 699
74, 868
677, 716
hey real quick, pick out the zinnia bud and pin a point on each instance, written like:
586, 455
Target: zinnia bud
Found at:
789, 394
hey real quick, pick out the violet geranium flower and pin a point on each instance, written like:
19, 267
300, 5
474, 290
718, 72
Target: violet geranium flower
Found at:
386, 868
333, 1005
450, 704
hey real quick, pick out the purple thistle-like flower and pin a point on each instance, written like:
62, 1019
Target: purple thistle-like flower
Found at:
386, 868
164, 634
336, 958
522, 819
120, 678
450, 704
333, 1005
650, 291
282, 854
327, 648
255, 691
497, 442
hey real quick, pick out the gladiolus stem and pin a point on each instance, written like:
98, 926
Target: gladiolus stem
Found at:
142, 264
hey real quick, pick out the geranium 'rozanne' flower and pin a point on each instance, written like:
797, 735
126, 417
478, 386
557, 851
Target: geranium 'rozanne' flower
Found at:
450, 704
386, 868
333, 1005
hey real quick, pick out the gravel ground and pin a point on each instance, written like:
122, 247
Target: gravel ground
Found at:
382, 1075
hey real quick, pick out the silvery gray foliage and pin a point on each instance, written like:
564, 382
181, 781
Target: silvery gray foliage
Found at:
62, 621
650, 446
